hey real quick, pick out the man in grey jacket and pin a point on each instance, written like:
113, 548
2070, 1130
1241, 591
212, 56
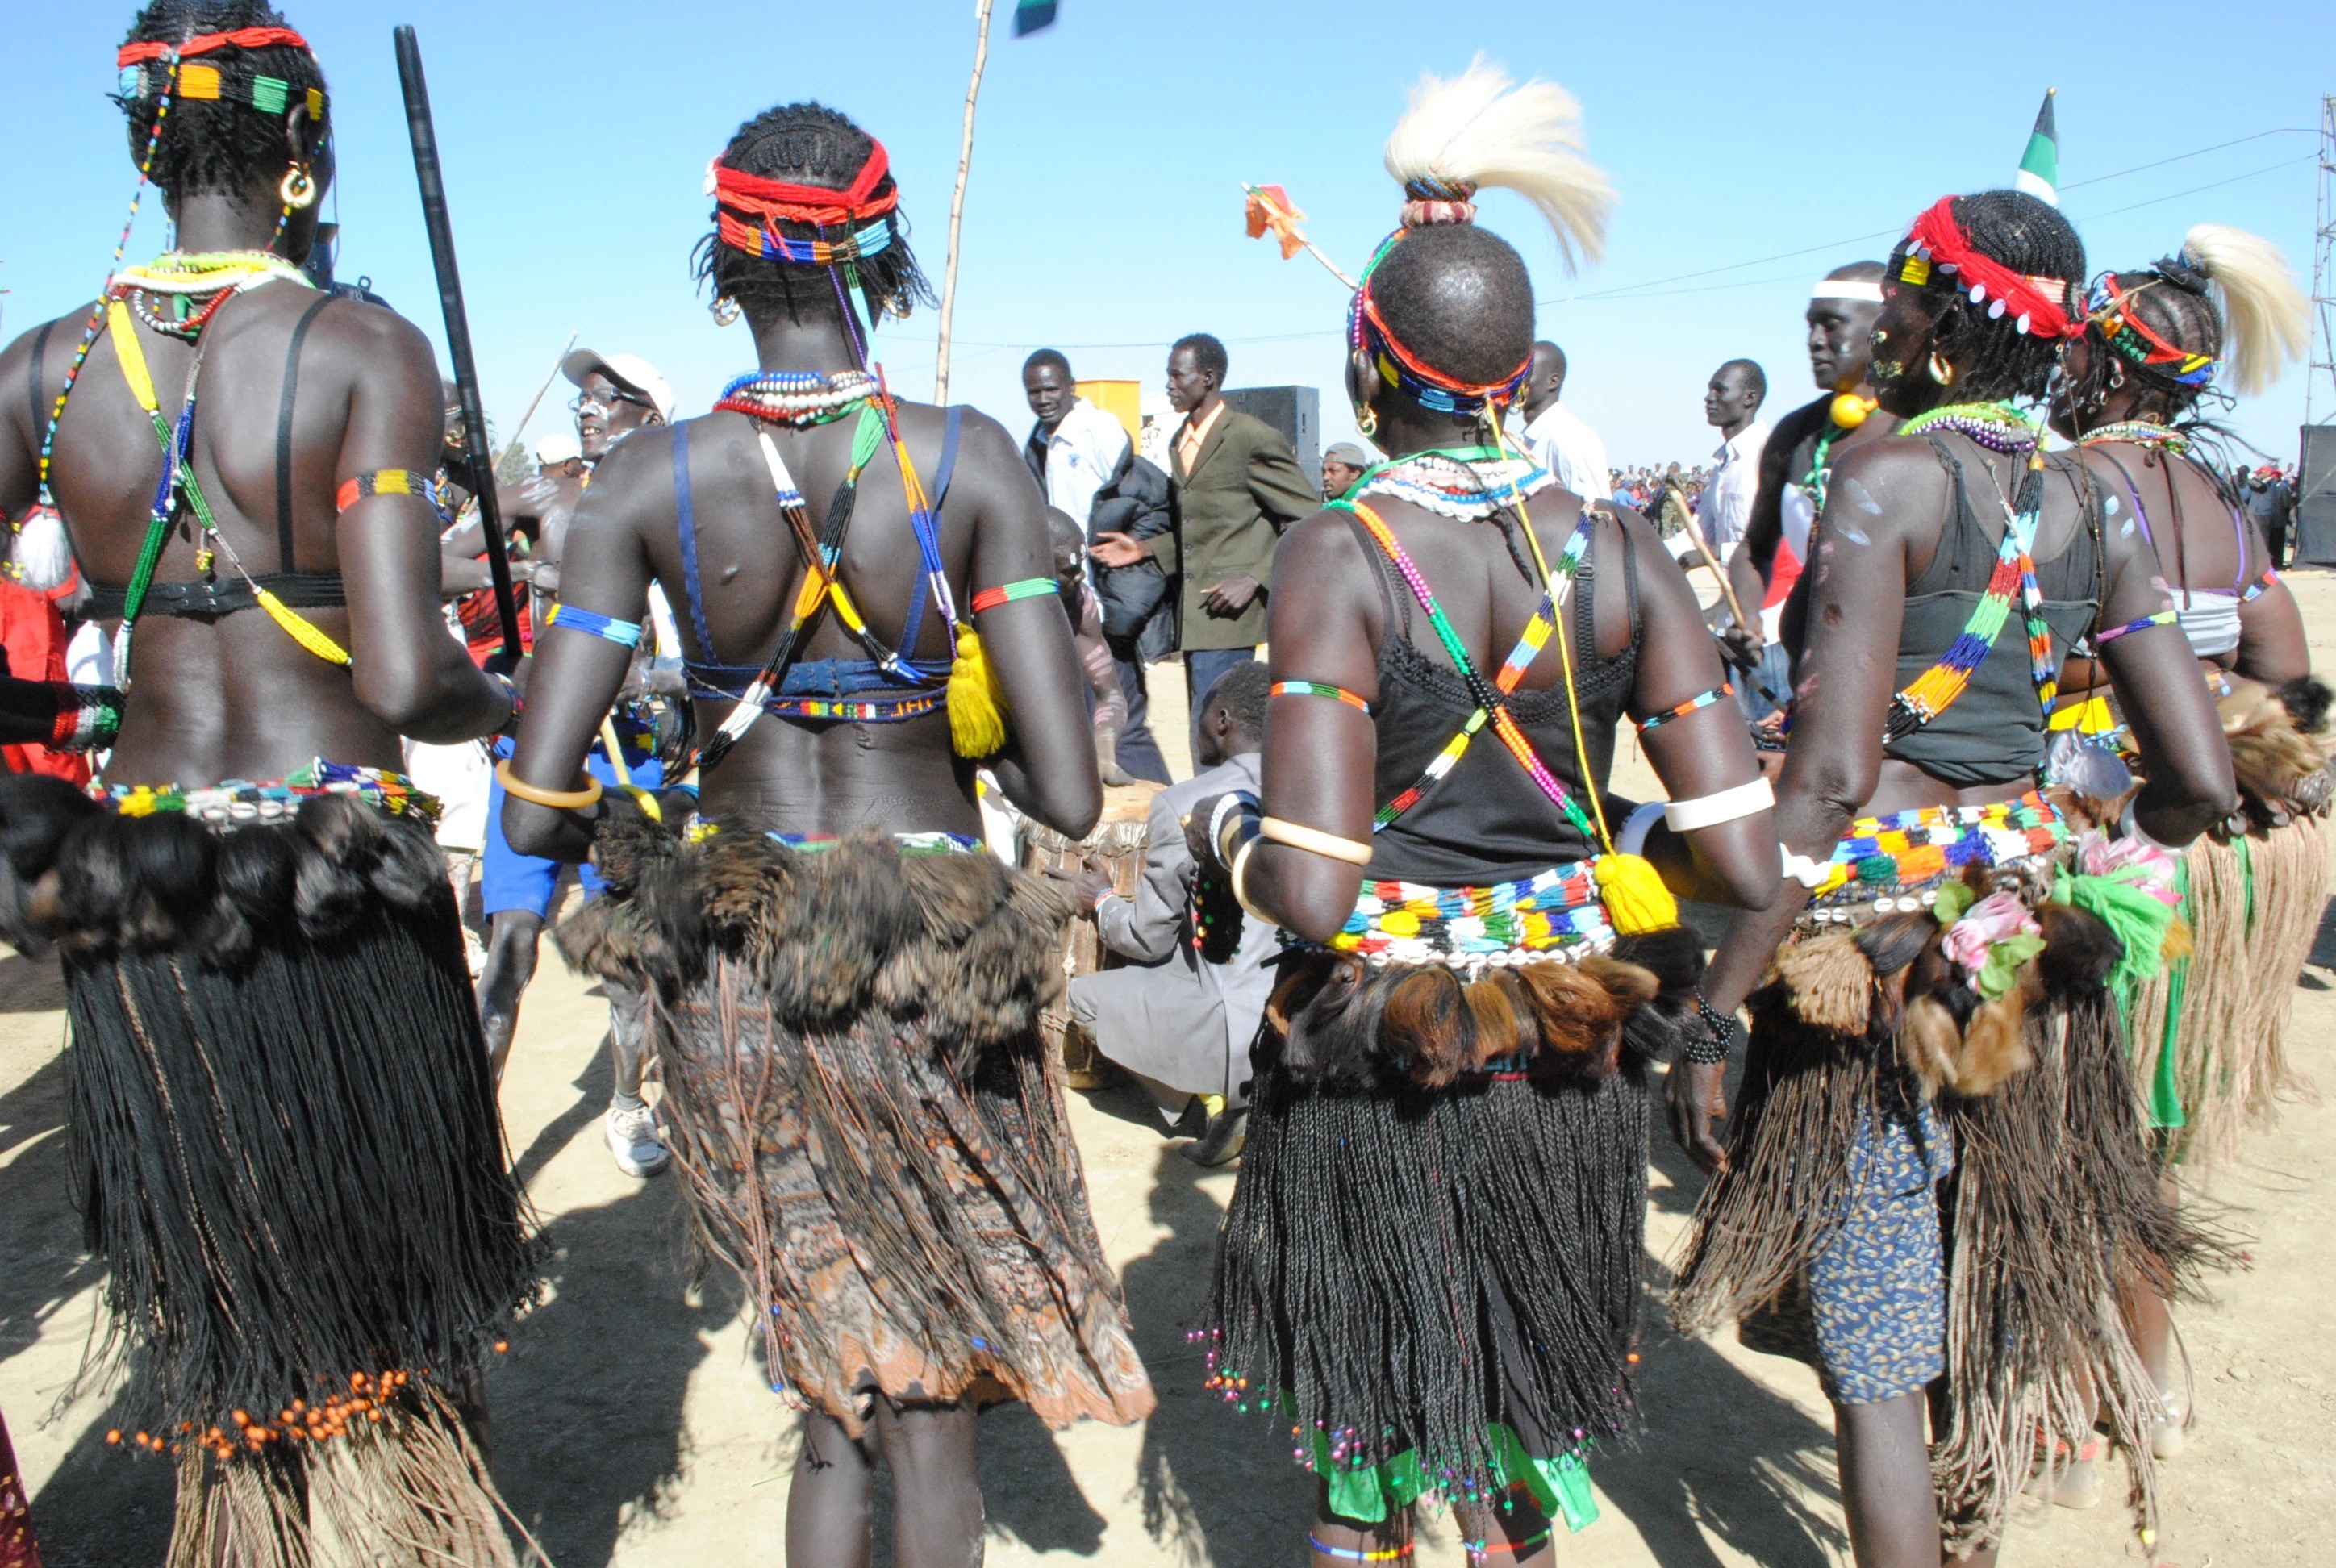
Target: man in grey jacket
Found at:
1180, 1024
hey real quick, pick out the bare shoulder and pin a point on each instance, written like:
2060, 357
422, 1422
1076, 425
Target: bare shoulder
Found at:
634, 482
373, 343
1322, 543
55, 340
1896, 487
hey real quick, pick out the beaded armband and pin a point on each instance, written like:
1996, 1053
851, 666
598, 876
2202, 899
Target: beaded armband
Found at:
1696, 703
1721, 1040
1007, 592
386, 481
88, 716
2163, 618
1318, 688
608, 628
1395, 1553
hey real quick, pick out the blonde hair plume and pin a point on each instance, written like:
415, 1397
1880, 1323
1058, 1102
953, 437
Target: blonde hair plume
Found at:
2265, 319
1478, 129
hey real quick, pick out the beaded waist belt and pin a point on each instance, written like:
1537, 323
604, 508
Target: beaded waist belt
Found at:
238, 802
1894, 864
915, 843
1554, 915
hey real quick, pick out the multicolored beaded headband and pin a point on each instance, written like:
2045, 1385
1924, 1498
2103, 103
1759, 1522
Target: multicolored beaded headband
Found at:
234, 81
1937, 243
1368, 334
773, 201
2131, 337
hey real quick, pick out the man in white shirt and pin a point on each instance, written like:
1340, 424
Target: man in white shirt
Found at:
1075, 447
1732, 403
1555, 438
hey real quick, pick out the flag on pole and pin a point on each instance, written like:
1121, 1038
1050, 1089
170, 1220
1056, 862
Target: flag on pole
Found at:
1269, 210
2040, 165
1029, 15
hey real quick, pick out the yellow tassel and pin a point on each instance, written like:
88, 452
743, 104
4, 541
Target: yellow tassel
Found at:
1633, 892
976, 705
300, 630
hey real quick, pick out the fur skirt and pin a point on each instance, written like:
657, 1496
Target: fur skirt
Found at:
292, 1159
17, 1547
2053, 1206
1431, 1263
873, 1136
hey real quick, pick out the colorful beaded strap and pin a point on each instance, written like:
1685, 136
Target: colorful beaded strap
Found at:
1696, 703
2163, 618
1318, 688
237, 83
1491, 698
1007, 592
1410, 923
387, 482
244, 801
1890, 860
1998, 428
608, 628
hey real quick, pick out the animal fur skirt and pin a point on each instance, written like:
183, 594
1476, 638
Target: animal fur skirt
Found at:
1431, 1263
292, 1162
2004, 1276
873, 1133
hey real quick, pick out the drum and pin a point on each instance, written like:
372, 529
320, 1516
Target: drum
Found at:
1118, 841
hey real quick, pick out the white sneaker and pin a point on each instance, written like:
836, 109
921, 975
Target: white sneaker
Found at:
633, 1139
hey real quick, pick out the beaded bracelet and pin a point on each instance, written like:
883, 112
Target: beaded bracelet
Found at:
385, 481
608, 628
1007, 592
1699, 701
1712, 1051
88, 716
1318, 688
2163, 618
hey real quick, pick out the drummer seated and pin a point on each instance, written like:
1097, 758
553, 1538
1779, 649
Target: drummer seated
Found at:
1182, 1026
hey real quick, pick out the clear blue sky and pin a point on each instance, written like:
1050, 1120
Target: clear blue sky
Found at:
1105, 208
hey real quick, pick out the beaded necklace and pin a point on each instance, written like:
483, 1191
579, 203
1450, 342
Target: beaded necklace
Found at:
797, 398
1998, 427
1469, 483
196, 284
2140, 433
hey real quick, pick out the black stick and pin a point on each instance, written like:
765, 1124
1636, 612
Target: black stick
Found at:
457, 330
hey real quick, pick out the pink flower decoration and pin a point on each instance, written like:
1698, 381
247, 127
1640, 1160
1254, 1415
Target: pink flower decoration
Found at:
1985, 923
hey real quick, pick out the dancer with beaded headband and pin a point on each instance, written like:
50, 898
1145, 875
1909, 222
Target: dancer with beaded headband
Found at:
1431, 1265
1939, 1001
856, 1095
2209, 1035
302, 1196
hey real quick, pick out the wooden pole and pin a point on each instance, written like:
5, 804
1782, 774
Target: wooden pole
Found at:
956, 200
520, 428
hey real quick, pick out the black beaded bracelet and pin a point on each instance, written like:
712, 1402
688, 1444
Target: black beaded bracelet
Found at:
1720, 1040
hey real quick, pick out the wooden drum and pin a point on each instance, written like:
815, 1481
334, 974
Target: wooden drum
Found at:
1119, 840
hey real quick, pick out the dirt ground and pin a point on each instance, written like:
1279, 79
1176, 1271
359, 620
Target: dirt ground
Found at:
633, 1427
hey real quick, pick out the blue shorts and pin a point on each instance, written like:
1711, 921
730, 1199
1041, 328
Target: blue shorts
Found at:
1878, 1289
509, 880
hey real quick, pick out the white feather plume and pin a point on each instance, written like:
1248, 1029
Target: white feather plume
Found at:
42, 551
2265, 319
1479, 128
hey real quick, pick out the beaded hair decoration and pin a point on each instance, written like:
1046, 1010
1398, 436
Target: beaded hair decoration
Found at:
2109, 307
1937, 250
750, 208
1426, 201
146, 71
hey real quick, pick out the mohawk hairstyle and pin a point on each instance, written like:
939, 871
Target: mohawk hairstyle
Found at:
217, 144
809, 144
1994, 359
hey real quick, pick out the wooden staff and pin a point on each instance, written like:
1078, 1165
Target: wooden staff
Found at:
1734, 605
956, 200
520, 428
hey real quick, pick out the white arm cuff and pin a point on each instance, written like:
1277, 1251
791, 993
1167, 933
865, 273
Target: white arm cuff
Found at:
1810, 873
1726, 806
2129, 826
1632, 839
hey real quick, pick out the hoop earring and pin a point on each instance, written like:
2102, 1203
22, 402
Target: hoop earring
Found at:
1942, 372
297, 189
724, 311
1367, 422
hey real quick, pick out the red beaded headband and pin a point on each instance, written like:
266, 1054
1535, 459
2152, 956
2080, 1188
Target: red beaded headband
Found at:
811, 204
210, 42
1937, 242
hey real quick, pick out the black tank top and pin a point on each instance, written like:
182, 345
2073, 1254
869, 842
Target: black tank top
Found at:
1993, 734
1486, 821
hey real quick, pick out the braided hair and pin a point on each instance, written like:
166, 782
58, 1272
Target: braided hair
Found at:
2226, 302
221, 143
1992, 357
809, 144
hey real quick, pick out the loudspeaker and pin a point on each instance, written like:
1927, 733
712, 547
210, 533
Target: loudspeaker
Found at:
2315, 498
1296, 411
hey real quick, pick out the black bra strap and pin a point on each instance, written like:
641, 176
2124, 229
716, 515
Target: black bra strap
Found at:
283, 433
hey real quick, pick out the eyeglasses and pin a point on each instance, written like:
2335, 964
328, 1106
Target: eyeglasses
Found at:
605, 403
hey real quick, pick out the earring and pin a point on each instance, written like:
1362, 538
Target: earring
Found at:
1367, 422
297, 189
1942, 371
724, 310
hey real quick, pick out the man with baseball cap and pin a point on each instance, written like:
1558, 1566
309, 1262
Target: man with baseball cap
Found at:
616, 395
1342, 465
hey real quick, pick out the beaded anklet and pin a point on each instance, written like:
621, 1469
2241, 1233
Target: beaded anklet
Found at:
1349, 1555
1318, 688
386, 481
608, 628
1007, 592
1478, 1550
1700, 700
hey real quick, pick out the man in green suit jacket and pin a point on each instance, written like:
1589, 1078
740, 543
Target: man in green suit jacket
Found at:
1235, 485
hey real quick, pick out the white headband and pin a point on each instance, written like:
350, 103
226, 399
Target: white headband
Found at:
1855, 289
